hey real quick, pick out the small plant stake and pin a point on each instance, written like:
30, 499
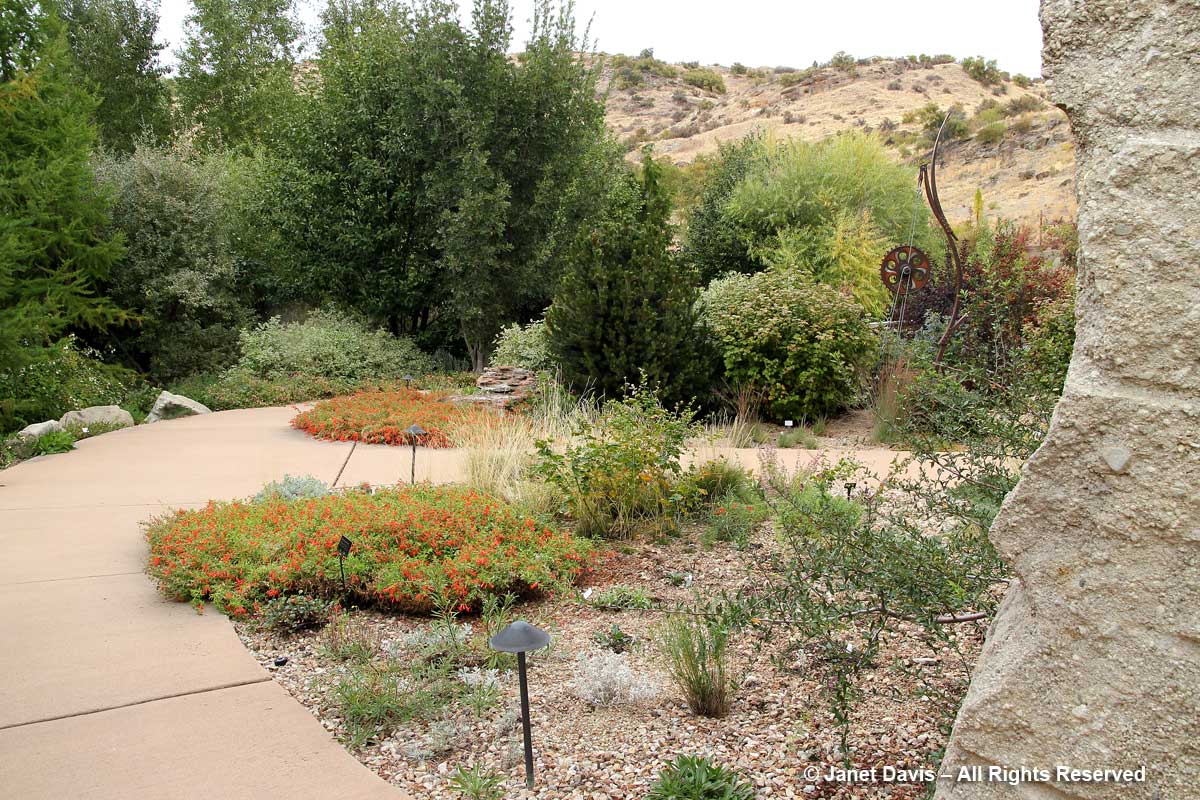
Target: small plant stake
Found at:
520, 637
415, 432
344, 546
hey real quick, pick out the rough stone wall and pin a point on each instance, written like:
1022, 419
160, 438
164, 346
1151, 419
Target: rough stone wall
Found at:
1094, 657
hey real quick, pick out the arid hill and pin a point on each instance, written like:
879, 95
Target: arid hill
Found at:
1023, 163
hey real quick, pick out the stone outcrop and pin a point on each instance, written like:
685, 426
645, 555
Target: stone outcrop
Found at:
97, 415
173, 406
1093, 660
40, 429
501, 387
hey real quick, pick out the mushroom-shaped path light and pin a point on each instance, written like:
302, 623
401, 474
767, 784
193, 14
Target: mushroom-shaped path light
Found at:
415, 432
521, 637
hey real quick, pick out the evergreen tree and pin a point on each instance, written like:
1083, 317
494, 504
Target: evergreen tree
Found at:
235, 68
625, 309
53, 253
112, 42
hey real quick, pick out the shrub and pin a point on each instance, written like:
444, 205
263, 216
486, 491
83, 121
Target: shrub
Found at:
525, 346
695, 651
983, 70
179, 272
843, 61
328, 345
54, 442
57, 379
604, 679
800, 343
477, 783
1024, 81
714, 480
295, 612
713, 244
1022, 105
292, 488
706, 79
789, 79
696, 778
384, 417
411, 547
732, 519
1048, 342
621, 597
991, 133
618, 476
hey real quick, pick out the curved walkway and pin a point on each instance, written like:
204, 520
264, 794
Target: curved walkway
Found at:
108, 690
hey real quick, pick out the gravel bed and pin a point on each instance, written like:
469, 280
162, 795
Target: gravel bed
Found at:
779, 727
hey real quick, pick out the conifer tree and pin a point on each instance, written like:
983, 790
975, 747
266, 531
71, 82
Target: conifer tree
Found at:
53, 253
625, 308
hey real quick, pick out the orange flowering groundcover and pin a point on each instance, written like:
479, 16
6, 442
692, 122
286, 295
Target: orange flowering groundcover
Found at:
412, 547
383, 417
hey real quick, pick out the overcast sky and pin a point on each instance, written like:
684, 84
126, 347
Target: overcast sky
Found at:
775, 32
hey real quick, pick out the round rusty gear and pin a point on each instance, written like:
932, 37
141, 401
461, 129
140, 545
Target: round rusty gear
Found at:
904, 268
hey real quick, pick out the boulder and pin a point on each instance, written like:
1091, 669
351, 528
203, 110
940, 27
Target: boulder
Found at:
1093, 660
172, 406
507, 380
97, 415
40, 429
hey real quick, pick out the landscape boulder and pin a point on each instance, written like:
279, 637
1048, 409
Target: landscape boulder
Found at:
501, 387
97, 415
40, 429
171, 406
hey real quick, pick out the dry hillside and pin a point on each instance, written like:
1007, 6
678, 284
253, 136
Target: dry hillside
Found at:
1027, 173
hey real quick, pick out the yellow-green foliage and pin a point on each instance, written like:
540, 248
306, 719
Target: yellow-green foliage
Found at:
706, 79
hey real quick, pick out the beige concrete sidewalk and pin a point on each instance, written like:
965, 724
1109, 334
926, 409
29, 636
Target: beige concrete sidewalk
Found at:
111, 691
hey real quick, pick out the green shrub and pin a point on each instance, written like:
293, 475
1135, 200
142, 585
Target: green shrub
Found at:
696, 778
1049, 341
619, 473
54, 442
991, 133
733, 519
798, 436
525, 346
58, 379
706, 79
983, 70
714, 480
843, 61
621, 597
179, 272
328, 345
695, 649
295, 612
1024, 81
477, 783
801, 344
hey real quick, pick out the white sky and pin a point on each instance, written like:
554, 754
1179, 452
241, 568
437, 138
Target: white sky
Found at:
774, 32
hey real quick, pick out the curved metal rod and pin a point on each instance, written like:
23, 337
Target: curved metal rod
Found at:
928, 180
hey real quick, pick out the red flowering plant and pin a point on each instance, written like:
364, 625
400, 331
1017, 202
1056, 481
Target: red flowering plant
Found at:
384, 417
412, 547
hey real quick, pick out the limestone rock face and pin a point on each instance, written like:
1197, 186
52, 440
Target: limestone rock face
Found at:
40, 429
1093, 660
171, 406
98, 415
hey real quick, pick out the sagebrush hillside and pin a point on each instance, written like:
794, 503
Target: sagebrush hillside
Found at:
1019, 152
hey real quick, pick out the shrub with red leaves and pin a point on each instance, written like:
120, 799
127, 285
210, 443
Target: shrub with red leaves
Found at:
412, 547
384, 417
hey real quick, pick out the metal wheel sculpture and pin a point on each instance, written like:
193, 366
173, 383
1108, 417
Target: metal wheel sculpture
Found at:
904, 268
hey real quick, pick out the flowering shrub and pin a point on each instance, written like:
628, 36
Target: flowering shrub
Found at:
412, 547
384, 417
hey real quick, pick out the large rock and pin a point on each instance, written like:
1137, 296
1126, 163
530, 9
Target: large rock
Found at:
1093, 660
40, 429
172, 406
97, 415
501, 387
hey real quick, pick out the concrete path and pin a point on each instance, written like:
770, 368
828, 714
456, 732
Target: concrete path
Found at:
110, 691
107, 689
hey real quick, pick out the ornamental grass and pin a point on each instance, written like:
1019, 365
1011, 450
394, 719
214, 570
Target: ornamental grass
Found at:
413, 548
384, 417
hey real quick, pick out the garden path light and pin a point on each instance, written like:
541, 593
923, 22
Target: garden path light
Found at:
520, 637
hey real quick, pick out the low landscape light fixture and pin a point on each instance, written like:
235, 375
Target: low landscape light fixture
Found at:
521, 637
408, 379
343, 549
415, 432
849, 489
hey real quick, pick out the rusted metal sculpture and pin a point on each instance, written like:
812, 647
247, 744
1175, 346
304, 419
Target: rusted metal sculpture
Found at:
904, 268
928, 180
